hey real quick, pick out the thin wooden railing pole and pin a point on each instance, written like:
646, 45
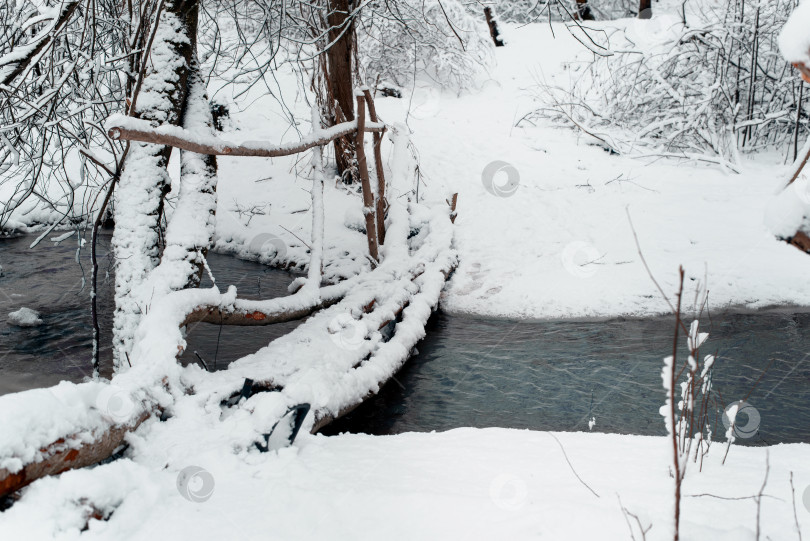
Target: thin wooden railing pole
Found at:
362, 169
381, 203
213, 146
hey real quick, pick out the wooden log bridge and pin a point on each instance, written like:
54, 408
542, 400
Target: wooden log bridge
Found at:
387, 306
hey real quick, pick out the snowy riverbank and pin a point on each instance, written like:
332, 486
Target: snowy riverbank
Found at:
560, 245
462, 484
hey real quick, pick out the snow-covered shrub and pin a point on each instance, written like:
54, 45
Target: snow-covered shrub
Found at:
60, 76
704, 90
693, 410
415, 38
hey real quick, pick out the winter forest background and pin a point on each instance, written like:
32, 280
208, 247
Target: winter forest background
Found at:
308, 269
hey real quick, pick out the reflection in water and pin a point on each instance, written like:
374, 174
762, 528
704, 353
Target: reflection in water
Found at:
469, 372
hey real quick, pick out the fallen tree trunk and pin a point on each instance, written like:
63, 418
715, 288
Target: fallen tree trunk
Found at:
246, 315
315, 364
60, 457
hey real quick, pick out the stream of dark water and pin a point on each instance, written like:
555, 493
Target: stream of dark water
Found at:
550, 375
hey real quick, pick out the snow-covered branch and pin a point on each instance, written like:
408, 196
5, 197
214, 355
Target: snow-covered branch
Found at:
15, 62
133, 129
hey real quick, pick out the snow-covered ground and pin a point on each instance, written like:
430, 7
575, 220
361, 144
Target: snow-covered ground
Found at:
561, 245
462, 484
554, 242
557, 242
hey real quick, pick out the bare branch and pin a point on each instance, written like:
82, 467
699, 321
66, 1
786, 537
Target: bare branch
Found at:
132, 129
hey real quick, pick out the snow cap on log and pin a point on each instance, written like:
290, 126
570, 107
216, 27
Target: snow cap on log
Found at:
794, 40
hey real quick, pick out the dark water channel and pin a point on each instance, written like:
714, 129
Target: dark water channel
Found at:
552, 375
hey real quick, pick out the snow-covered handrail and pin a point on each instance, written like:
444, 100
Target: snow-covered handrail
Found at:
127, 128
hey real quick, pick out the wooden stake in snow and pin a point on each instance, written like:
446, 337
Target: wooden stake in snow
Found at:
381, 204
362, 168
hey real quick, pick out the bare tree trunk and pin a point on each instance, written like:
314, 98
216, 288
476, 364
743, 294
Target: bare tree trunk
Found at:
645, 9
493, 27
144, 180
340, 83
583, 11
197, 201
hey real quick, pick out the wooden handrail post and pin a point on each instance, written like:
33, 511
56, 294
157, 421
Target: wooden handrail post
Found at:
362, 169
381, 203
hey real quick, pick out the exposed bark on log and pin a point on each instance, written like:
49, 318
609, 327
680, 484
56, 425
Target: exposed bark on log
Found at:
60, 458
381, 204
804, 71
247, 317
801, 241
362, 168
185, 140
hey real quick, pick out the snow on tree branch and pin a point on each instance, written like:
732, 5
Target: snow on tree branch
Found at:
132, 129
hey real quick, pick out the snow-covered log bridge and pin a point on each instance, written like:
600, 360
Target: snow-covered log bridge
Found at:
360, 334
